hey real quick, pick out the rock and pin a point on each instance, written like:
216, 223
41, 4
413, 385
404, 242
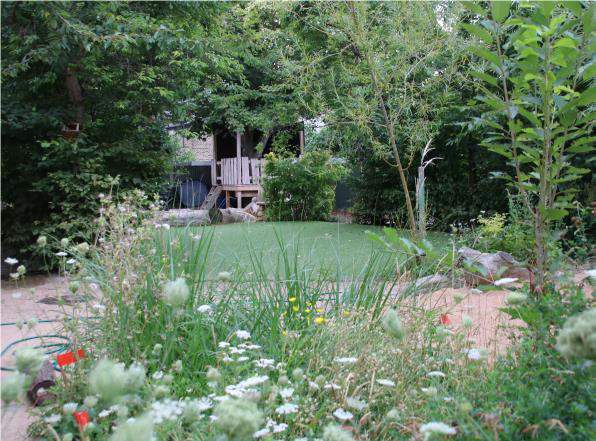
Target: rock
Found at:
490, 266
433, 282
235, 215
184, 217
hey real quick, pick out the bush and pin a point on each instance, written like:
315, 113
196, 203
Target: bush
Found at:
511, 232
301, 189
540, 394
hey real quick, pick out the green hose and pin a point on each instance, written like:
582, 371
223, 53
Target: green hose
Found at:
50, 348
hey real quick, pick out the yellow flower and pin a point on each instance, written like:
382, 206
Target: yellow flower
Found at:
320, 320
292, 299
320, 310
346, 313
307, 310
295, 308
284, 333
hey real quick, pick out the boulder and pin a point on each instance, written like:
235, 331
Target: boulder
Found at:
184, 217
235, 215
484, 268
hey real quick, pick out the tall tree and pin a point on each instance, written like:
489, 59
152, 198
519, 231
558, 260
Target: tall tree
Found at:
378, 65
87, 89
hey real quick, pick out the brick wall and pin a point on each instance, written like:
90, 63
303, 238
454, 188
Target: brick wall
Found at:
201, 149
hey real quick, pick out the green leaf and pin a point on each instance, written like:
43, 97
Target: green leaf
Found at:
589, 71
500, 10
565, 42
582, 145
391, 235
546, 7
484, 76
486, 54
479, 32
474, 7
555, 213
574, 7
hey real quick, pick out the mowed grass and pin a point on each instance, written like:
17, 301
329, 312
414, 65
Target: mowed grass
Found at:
320, 246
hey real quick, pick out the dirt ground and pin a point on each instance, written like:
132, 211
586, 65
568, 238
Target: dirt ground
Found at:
491, 329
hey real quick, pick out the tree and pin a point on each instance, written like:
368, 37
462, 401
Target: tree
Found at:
121, 72
377, 66
538, 78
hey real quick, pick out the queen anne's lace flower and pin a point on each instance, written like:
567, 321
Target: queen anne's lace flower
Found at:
286, 408
429, 429
342, 415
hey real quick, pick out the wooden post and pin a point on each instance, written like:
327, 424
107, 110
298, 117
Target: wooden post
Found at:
227, 199
239, 199
214, 161
213, 172
238, 157
301, 142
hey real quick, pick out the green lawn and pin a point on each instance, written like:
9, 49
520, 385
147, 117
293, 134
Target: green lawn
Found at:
319, 244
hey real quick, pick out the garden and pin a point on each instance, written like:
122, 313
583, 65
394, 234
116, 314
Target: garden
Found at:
452, 298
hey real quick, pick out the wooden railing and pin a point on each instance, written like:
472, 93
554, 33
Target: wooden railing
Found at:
231, 171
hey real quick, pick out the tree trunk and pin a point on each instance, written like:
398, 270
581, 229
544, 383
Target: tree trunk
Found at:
75, 94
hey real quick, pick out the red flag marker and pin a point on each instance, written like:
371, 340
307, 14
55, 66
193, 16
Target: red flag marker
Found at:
445, 319
70, 357
82, 418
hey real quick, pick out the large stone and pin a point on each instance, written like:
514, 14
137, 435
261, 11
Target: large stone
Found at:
484, 268
184, 217
235, 215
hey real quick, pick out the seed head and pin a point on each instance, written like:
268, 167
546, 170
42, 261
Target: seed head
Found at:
29, 360
134, 429
239, 419
392, 324
176, 292
334, 432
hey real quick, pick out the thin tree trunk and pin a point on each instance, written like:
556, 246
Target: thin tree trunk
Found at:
378, 91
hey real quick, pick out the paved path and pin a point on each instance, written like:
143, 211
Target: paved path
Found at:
20, 302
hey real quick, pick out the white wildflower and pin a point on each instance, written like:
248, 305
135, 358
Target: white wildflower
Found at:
436, 374
286, 392
346, 360
343, 415
355, 403
385, 382
61, 254
205, 309
286, 409
243, 335
429, 429
11, 261
53, 419
475, 354
505, 281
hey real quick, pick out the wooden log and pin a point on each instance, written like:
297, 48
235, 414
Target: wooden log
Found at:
39, 393
235, 215
184, 217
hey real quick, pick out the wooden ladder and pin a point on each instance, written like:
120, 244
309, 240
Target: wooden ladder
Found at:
211, 198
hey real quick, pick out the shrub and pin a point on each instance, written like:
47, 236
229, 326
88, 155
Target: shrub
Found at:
301, 188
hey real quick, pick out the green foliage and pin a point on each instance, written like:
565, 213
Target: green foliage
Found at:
538, 392
537, 80
113, 68
301, 188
